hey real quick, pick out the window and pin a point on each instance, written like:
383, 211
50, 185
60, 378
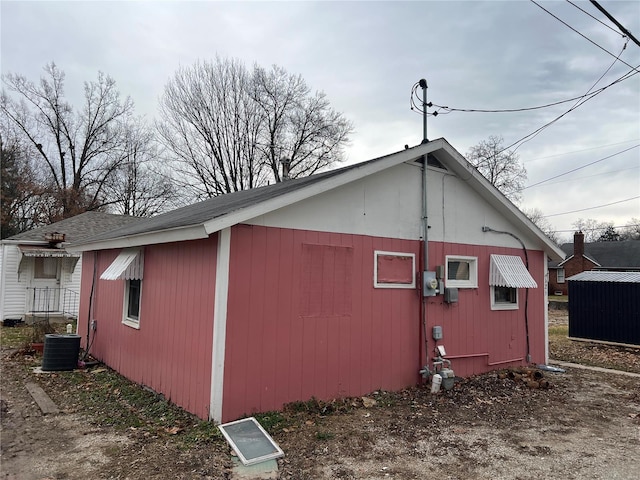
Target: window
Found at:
462, 272
132, 291
560, 275
45, 268
394, 270
504, 298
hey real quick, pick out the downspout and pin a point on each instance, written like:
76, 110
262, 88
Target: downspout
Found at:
526, 296
89, 310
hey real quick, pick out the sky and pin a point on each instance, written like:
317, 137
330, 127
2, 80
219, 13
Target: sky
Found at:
367, 56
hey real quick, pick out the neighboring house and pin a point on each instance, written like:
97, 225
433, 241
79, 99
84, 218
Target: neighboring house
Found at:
583, 257
38, 275
314, 287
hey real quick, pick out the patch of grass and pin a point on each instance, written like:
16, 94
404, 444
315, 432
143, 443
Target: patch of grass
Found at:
272, 422
15, 337
324, 435
108, 399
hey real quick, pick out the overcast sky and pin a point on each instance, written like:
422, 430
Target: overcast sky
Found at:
366, 56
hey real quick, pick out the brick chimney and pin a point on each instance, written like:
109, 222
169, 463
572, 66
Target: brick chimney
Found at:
578, 244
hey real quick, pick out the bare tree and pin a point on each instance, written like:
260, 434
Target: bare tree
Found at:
298, 127
140, 186
631, 231
229, 129
537, 217
20, 194
592, 229
501, 167
79, 150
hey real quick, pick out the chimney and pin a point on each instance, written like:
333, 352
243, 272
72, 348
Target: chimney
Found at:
578, 244
286, 163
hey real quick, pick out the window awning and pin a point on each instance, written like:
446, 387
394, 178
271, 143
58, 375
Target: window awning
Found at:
38, 251
128, 265
509, 271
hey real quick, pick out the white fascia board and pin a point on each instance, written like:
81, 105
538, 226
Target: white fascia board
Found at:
281, 201
194, 232
471, 176
24, 242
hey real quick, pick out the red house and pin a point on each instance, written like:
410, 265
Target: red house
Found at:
320, 287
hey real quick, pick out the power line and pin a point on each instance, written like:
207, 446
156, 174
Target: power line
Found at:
579, 33
610, 17
580, 168
596, 19
592, 208
583, 150
600, 174
597, 228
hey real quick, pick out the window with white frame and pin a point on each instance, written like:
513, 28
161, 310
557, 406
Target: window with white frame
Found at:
132, 294
560, 275
128, 266
394, 270
504, 298
461, 272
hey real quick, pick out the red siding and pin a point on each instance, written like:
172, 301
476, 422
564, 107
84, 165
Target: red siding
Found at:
278, 351
172, 350
487, 338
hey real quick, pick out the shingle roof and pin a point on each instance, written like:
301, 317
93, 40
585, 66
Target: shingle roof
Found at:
78, 228
611, 254
202, 219
215, 207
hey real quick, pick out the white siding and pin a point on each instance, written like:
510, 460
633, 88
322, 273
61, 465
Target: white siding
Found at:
13, 291
456, 213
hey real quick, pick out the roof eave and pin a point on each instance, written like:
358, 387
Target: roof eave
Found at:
492, 195
192, 232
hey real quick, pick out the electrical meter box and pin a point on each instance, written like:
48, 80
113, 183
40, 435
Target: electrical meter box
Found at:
437, 332
429, 284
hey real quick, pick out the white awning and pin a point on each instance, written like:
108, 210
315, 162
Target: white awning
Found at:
509, 271
128, 266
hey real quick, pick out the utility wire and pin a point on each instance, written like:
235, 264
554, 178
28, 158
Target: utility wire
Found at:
592, 208
596, 19
580, 168
582, 35
599, 174
610, 17
597, 228
583, 150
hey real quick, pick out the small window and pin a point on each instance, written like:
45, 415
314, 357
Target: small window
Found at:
504, 298
462, 272
132, 294
45, 268
560, 275
394, 270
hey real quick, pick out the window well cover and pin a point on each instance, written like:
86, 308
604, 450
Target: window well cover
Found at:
509, 271
128, 265
250, 441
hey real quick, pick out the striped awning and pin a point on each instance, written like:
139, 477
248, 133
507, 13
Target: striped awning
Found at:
128, 265
509, 271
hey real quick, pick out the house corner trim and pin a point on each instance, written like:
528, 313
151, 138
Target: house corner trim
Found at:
220, 324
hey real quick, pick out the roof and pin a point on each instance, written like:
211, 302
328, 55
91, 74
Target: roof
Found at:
76, 229
204, 218
608, 277
624, 254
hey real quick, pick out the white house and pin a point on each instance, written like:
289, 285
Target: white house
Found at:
38, 274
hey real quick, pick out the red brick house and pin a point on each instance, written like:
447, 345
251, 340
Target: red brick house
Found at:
581, 257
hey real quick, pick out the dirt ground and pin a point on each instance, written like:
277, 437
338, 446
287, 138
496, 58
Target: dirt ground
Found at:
586, 425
